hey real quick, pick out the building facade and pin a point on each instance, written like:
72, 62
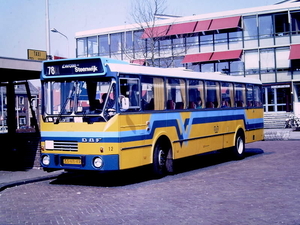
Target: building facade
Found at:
262, 42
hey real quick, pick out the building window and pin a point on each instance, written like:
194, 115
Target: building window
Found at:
82, 47
116, 45
22, 120
282, 29
193, 66
165, 48
206, 43
192, 44
222, 67
221, 41
178, 45
103, 46
250, 32
266, 30
235, 40
267, 60
295, 21
139, 45
282, 59
207, 67
236, 68
92, 46
282, 26
21, 100
251, 59
177, 61
128, 50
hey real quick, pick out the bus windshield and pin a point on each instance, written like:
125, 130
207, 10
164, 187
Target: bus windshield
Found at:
79, 100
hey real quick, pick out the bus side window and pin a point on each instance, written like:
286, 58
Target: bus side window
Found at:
212, 94
176, 93
153, 93
257, 96
249, 93
240, 95
196, 94
227, 95
129, 88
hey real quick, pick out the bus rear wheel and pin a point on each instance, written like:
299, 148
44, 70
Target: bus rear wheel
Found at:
238, 149
162, 159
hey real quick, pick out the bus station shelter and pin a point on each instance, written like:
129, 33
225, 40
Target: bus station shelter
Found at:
19, 145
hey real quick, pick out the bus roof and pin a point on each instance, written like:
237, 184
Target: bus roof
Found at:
177, 72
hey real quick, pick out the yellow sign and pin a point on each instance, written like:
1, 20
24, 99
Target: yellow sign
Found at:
36, 54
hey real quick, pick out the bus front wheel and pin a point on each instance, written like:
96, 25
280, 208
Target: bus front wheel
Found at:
238, 149
162, 159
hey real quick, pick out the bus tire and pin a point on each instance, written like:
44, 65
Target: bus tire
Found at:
162, 159
238, 149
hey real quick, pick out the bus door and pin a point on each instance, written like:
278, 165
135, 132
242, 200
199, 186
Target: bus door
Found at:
132, 124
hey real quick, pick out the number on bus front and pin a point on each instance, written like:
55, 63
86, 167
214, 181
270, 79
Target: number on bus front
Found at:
51, 70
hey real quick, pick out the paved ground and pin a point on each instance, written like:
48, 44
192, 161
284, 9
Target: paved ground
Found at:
211, 189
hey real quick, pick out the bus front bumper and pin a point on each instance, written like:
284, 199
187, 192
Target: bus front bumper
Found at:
80, 162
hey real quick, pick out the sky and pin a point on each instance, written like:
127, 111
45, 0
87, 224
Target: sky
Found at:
23, 22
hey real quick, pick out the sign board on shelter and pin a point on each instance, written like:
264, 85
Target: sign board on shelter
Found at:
36, 55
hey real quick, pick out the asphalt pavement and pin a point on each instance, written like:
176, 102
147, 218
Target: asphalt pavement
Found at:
14, 178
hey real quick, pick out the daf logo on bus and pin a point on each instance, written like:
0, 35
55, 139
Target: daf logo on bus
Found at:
91, 140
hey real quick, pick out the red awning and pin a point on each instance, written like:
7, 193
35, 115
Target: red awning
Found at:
201, 57
295, 52
236, 54
139, 61
153, 32
225, 23
182, 28
202, 25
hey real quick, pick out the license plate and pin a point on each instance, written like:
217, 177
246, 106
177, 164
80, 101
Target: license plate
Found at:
72, 161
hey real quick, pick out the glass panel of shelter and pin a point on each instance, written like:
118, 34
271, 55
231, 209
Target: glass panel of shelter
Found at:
3, 109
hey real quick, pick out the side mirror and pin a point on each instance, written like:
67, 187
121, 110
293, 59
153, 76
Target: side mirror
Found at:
125, 103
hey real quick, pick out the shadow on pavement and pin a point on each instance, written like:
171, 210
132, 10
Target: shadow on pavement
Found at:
142, 174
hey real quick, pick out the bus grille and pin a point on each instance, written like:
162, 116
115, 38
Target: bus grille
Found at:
66, 146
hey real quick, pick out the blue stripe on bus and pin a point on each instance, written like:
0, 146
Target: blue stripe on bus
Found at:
159, 120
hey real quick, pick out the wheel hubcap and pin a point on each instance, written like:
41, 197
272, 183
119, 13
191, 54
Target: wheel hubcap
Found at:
161, 158
240, 145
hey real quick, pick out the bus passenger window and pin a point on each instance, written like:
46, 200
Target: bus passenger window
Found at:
212, 94
249, 95
257, 96
129, 88
196, 94
176, 93
227, 95
240, 95
150, 87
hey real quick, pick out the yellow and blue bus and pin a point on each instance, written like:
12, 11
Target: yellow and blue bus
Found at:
100, 114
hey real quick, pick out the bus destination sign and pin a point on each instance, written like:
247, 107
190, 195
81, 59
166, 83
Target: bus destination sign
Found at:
74, 67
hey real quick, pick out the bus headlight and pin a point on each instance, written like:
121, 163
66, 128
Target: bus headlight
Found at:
46, 160
97, 162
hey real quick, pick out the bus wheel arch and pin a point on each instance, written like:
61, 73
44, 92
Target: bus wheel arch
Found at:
162, 163
238, 149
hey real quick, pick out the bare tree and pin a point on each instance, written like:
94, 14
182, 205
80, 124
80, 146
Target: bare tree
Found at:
144, 14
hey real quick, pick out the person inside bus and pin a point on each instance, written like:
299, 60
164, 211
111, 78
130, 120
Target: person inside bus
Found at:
199, 103
225, 104
134, 95
102, 101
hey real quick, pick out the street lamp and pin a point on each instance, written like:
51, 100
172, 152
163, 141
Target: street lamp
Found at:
56, 31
